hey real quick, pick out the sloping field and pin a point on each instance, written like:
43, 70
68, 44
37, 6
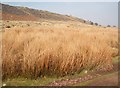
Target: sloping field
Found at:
28, 14
37, 49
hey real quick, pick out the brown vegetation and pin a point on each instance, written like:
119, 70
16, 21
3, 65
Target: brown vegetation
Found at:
40, 52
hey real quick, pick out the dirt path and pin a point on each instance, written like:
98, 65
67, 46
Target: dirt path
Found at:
110, 80
87, 77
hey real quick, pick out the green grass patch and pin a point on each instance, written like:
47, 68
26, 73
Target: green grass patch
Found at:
43, 81
29, 82
116, 59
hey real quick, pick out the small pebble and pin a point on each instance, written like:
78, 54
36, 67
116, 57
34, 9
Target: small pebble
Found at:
4, 84
86, 72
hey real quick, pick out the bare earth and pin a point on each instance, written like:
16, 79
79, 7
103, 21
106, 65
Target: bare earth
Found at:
96, 79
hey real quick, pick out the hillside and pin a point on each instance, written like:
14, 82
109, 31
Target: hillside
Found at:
41, 48
28, 14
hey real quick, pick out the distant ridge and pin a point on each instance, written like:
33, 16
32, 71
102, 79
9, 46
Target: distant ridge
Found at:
29, 14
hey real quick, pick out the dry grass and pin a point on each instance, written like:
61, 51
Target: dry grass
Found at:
40, 52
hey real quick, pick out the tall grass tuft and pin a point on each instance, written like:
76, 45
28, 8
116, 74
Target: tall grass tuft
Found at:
41, 52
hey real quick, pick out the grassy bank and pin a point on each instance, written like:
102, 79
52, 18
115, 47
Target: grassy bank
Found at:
45, 52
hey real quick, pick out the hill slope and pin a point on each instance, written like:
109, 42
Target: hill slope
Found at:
28, 14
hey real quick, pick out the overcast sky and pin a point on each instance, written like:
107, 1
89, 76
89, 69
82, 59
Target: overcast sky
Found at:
104, 13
